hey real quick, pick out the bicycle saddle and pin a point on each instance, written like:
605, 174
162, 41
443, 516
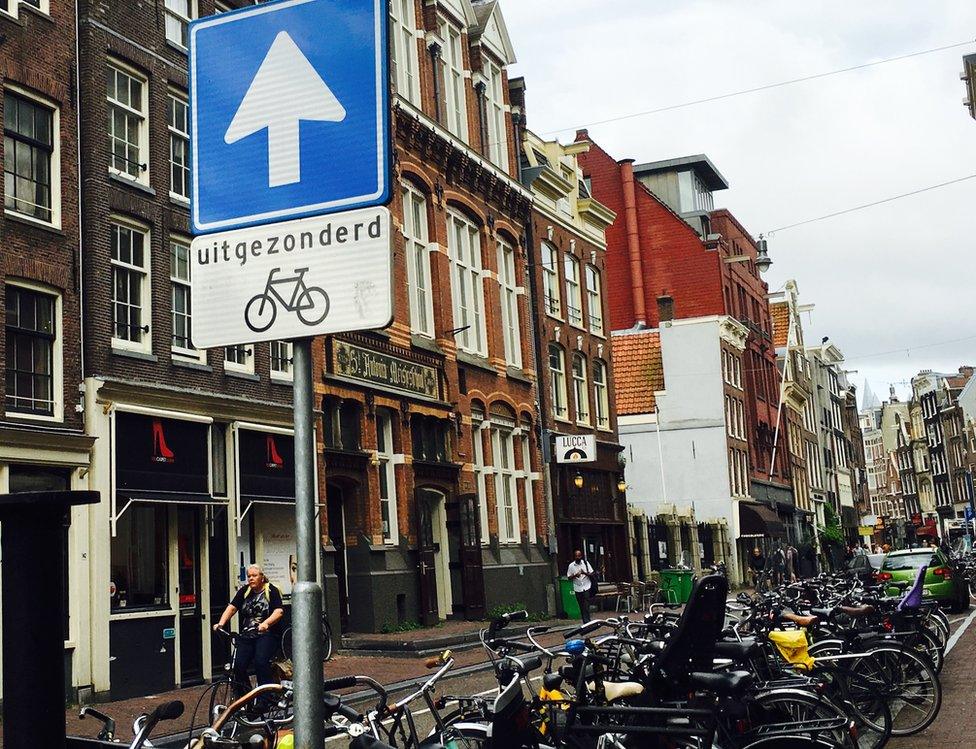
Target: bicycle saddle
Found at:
857, 610
732, 684
736, 651
615, 690
801, 621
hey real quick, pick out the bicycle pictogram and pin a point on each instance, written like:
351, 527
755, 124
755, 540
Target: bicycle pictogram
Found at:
310, 303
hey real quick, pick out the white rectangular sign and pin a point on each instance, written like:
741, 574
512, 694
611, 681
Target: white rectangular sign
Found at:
294, 279
575, 448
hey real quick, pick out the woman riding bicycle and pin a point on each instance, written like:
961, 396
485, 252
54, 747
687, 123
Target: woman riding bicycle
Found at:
261, 608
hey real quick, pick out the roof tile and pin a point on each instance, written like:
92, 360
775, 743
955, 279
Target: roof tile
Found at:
638, 371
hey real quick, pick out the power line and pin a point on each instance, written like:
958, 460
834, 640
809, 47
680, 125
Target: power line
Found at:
909, 349
756, 89
771, 232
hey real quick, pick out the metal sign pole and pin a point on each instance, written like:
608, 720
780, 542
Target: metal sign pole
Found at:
307, 593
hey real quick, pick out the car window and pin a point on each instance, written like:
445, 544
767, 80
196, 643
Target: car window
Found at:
907, 561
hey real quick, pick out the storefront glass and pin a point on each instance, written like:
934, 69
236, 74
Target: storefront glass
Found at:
140, 563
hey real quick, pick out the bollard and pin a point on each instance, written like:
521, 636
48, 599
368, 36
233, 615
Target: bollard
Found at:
32, 525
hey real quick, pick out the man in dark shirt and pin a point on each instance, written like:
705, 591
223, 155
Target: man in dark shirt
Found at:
261, 608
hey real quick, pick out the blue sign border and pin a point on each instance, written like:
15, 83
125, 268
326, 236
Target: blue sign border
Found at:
384, 145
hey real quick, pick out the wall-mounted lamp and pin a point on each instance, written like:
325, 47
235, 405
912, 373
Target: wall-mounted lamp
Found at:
621, 486
578, 480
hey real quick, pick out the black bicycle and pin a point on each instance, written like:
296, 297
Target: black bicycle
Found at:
286, 640
310, 303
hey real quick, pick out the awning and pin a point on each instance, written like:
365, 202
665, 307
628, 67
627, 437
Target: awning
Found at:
927, 530
757, 521
126, 498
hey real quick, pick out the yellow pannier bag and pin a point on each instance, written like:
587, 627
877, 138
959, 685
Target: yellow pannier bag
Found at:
792, 645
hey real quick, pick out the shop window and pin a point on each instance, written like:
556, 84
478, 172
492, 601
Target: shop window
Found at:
140, 558
431, 439
218, 459
387, 481
341, 421
31, 339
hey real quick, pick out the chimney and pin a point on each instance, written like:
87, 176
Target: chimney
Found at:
633, 243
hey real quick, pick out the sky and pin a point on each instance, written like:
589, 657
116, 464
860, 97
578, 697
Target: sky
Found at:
893, 285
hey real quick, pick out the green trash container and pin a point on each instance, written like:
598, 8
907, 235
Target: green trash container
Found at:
568, 597
676, 585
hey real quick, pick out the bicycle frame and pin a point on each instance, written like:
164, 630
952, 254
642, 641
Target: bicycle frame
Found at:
299, 290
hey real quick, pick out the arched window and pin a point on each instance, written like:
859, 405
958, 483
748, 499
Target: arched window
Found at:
574, 304
601, 398
557, 381
550, 280
418, 260
581, 391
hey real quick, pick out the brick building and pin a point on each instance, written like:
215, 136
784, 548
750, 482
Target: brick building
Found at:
194, 454
567, 250
42, 441
672, 256
431, 481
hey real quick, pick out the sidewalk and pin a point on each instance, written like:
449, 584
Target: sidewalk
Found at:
406, 662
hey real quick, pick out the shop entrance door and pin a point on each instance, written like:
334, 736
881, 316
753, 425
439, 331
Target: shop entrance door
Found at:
220, 592
337, 534
472, 574
593, 550
426, 550
191, 612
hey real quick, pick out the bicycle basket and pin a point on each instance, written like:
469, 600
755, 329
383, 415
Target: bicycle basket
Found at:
792, 646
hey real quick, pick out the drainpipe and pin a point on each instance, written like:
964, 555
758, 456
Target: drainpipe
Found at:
633, 243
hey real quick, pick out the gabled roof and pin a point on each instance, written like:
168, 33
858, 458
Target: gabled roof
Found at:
490, 26
779, 312
638, 371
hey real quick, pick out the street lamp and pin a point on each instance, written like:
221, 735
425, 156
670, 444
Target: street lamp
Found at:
578, 480
763, 260
621, 485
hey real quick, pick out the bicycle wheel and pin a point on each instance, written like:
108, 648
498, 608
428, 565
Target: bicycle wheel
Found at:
907, 682
326, 638
794, 712
221, 695
863, 703
286, 644
317, 308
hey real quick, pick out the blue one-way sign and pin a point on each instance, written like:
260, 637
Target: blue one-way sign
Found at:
289, 108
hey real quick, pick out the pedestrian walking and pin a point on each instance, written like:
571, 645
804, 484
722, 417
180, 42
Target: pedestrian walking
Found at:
791, 563
261, 609
581, 573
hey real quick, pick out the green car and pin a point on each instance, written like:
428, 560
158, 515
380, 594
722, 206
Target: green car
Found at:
942, 581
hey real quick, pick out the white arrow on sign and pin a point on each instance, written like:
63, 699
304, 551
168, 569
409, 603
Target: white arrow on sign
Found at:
285, 91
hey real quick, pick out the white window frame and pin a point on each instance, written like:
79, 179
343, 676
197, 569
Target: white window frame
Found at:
57, 352
220, 7
601, 394
403, 50
557, 383
417, 251
467, 286
43, 6
142, 115
480, 473
281, 375
55, 165
183, 352
144, 345
384, 465
175, 97
506, 489
508, 289
551, 294
527, 481
574, 297
176, 21
453, 79
581, 389
495, 115
247, 367
594, 299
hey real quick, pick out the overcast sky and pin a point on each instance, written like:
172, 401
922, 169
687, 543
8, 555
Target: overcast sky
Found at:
897, 276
